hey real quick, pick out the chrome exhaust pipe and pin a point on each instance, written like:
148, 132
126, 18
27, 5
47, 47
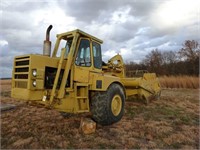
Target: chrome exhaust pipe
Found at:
47, 43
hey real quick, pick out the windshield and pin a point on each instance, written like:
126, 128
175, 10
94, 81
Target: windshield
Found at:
64, 44
68, 46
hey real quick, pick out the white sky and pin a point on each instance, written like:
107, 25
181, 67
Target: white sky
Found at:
130, 27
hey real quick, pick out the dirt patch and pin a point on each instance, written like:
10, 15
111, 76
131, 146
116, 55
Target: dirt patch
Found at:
5, 85
172, 122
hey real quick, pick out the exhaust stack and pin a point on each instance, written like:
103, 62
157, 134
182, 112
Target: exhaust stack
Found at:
47, 43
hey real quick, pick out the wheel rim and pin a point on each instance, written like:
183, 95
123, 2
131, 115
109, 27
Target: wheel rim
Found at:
116, 105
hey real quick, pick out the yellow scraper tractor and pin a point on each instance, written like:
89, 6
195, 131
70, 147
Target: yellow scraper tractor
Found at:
76, 80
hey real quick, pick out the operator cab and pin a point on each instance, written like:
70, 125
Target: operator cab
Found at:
87, 48
88, 51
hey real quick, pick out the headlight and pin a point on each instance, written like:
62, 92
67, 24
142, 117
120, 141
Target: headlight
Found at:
34, 72
34, 83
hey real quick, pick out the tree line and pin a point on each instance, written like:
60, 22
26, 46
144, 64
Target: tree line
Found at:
182, 62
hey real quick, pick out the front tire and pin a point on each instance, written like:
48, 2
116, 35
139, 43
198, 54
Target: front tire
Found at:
108, 107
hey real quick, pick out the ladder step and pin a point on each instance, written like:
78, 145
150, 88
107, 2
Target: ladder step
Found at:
81, 93
82, 110
82, 97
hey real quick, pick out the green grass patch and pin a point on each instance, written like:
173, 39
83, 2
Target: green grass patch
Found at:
132, 111
159, 113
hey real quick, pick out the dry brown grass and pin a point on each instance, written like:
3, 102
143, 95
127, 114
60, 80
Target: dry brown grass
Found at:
5, 85
169, 123
189, 82
5, 82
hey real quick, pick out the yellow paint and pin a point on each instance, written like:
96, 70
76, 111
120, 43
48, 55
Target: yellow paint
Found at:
116, 105
68, 87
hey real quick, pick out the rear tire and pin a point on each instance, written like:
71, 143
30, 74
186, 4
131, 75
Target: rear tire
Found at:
108, 107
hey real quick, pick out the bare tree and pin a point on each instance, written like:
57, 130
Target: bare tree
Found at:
190, 50
190, 53
169, 57
168, 62
154, 61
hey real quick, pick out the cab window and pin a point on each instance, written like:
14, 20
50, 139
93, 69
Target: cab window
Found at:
83, 56
97, 55
64, 43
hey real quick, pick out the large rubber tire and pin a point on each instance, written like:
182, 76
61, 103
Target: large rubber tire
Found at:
108, 107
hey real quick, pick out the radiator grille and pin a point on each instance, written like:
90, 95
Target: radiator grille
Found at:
21, 71
21, 84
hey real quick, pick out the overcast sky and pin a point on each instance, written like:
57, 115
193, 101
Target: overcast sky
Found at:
130, 27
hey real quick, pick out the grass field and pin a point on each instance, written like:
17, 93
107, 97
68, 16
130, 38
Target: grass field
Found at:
169, 123
190, 82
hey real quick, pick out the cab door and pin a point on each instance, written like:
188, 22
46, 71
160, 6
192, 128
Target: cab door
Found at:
97, 57
83, 61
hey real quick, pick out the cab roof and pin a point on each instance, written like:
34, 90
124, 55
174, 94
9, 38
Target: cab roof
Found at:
82, 33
